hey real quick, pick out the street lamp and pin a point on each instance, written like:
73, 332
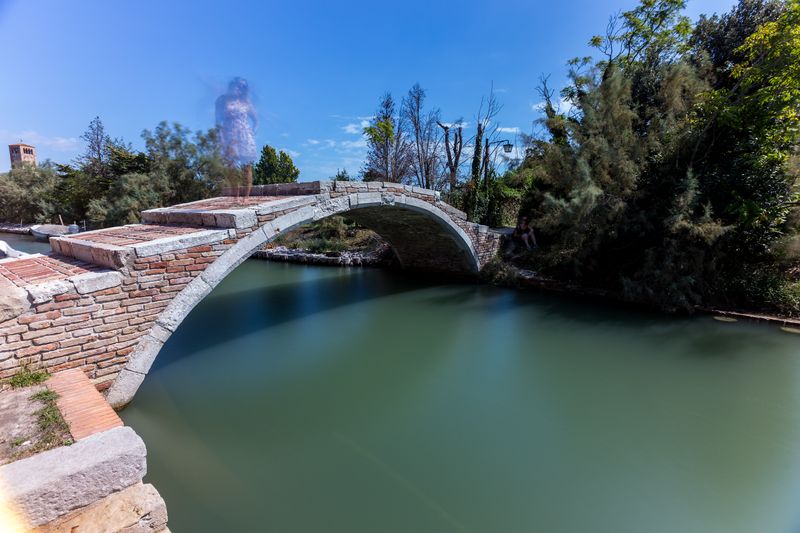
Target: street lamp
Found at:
507, 146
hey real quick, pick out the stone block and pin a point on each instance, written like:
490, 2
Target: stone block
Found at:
47, 486
95, 281
44, 292
13, 302
179, 242
124, 387
137, 509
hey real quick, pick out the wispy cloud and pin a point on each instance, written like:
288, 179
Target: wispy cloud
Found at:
515, 130
354, 128
293, 153
55, 143
463, 124
562, 106
349, 145
313, 142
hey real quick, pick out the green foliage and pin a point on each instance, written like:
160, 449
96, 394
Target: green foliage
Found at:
53, 429
671, 181
342, 175
191, 165
26, 377
110, 184
388, 150
274, 167
27, 192
381, 131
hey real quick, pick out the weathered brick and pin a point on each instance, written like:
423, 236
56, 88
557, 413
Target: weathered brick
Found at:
77, 341
13, 329
50, 338
81, 310
27, 319
29, 335
66, 297
62, 352
63, 321
33, 350
116, 318
80, 326
107, 327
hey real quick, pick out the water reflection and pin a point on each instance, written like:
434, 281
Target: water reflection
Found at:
310, 399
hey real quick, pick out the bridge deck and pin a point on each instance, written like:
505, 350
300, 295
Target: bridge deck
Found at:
227, 202
41, 269
135, 234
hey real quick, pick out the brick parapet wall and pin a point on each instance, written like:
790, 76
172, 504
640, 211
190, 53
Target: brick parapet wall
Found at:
98, 330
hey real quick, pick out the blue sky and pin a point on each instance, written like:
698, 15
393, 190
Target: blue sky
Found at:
317, 68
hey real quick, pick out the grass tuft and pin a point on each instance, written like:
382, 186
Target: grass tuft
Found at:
26, 377
53, 429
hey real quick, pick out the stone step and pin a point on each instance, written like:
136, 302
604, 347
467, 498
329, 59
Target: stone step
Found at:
226, 211
117, 247
84, 409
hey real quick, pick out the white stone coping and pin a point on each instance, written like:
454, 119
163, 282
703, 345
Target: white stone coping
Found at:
178, 242
244, 217
51, 484
216, 218
116, 257
83, 283
102, 254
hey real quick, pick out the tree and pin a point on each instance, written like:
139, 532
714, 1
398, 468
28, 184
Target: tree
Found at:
342, 175
388, 151
674, 180
426, 139
453, 152
192, 166
477, 198
274, 167
27, 193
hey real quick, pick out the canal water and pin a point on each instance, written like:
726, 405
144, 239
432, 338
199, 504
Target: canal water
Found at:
25, 243
308, 399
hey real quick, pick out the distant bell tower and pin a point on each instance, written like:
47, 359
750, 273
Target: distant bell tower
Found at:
22, 154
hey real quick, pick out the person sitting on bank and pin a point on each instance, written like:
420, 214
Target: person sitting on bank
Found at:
524, 233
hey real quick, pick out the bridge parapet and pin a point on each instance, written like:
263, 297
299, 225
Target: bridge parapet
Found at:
107, 300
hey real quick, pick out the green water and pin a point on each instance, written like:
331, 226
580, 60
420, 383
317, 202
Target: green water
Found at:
25, 243
303, 399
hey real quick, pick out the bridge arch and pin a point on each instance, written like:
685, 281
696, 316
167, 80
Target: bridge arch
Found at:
422, 236
107, 300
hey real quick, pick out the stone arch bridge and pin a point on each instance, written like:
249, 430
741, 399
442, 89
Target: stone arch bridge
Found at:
107, 300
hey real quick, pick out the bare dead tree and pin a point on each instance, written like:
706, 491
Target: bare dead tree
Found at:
484, 121
453, 153
426, 139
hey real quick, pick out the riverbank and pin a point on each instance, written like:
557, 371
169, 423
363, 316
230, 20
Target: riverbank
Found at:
505, 274
509, 276
379, 257
17, 229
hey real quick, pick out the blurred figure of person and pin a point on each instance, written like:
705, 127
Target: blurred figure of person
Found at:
524, 233
237, 122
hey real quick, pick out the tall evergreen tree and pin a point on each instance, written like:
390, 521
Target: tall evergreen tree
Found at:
274, 167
